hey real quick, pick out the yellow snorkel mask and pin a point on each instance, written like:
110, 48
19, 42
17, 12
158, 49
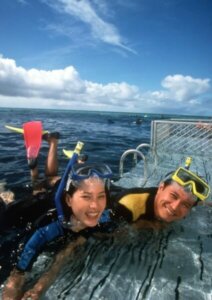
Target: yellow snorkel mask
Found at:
186, 178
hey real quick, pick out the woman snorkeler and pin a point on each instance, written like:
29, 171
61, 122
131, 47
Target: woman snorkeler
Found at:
80, 213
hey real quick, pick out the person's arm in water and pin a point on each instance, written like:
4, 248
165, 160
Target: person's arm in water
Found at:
41, 237
16, 280
51, 167
48, 277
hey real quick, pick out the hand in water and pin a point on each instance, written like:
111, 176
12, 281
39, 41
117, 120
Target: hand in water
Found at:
14, 286
32, 294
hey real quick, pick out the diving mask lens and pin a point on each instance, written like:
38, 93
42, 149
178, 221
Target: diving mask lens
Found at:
84, 171
187, 178
79, 171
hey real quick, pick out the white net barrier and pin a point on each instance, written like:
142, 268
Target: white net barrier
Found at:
182, 137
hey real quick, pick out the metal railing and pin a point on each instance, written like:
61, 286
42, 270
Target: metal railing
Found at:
153, 152
137, 153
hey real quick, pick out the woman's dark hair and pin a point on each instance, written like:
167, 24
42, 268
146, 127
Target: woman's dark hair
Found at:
66, 209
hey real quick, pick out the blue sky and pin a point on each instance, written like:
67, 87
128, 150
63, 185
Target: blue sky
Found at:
147, 56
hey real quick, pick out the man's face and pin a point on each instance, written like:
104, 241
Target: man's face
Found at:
172, 202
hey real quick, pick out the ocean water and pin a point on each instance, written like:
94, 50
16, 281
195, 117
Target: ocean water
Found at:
105, 135
173, 263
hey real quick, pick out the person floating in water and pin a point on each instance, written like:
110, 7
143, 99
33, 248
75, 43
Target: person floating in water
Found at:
83, 200
171, 201
138, 121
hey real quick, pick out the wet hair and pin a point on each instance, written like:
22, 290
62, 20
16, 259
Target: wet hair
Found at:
66, 209
167, 182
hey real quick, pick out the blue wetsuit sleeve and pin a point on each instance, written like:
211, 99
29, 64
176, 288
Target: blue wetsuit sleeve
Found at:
41, 236
105, 217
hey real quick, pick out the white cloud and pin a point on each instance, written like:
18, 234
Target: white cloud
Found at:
19, 81
64, 88
181, 88
87, 12
58, 85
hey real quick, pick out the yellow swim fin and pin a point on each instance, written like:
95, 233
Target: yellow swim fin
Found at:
20, 130
68, 153
16, 129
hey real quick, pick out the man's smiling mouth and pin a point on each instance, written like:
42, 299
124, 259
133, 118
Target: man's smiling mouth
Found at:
170, 210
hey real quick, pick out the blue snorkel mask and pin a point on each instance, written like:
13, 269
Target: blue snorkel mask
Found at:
80, 172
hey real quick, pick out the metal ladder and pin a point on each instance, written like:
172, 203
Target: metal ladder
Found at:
137, 153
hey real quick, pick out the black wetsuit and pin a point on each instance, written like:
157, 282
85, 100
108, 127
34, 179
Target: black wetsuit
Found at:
3, 207
133, 204
21, 212
127, 204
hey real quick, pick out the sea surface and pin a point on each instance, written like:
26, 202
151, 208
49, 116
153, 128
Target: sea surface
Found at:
173, 263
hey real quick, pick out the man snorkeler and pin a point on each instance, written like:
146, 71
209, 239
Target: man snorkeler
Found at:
171, 201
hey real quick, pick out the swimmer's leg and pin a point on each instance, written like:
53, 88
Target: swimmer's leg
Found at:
51, 169
34, 173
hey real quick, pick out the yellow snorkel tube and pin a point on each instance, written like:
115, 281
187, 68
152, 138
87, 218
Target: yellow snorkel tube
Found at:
188, 162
